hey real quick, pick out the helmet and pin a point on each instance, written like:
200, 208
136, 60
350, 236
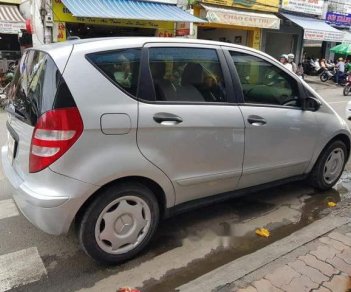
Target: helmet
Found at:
284, 56
291, 56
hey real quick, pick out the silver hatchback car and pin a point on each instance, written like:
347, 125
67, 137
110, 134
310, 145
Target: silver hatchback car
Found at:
115, 134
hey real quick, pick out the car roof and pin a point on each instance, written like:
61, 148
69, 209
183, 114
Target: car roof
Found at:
58, 50
132, 41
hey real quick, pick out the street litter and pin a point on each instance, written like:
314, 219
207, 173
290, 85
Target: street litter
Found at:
331, 204
127, 289
262, 232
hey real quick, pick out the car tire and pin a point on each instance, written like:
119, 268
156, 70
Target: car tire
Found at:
329, 166
119, 223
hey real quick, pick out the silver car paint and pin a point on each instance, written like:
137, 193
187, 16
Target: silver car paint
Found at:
203, 155
119, 155
281, 148
97, 158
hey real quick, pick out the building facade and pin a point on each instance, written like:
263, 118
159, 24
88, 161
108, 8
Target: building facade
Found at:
240, 22
11, 25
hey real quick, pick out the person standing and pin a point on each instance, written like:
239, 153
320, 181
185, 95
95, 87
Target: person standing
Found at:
340, 67
284, 60
291, 58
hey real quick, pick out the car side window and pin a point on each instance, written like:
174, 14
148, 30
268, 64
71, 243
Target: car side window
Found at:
265, 83
121, 67
187, 74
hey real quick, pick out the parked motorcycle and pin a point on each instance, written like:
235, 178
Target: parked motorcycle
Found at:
331, 75
5, 81
347, 88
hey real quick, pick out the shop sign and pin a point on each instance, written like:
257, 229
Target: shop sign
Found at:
243, 19
62, 14
163, 1
182, 28
256, 43
11, 27
164, 33
261, 5
11, 1
59, 32
338, 19
314, 7
328, 36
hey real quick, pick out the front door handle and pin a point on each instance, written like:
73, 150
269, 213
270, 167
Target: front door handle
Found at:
167, 119
256, 120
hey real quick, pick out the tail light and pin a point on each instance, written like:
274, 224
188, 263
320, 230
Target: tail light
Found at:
55, 132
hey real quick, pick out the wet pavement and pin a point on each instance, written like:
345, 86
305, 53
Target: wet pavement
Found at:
188, 245
282, 211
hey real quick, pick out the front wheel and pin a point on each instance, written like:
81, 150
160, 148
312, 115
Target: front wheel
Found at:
329, 166
324, 77
346, 90
119, 223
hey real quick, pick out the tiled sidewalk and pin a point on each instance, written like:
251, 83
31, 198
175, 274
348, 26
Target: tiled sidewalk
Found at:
325, 267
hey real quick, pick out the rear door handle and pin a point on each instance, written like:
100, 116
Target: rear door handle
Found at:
256, 120
167, 119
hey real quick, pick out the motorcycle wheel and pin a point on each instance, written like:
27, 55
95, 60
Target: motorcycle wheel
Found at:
343, 82
324, 77
346, 90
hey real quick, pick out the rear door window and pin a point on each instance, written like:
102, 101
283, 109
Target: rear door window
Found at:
187, 75
121, 67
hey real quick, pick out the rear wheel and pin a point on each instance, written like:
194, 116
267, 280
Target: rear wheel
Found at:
324, 77
346, 90
329, 166
119, 223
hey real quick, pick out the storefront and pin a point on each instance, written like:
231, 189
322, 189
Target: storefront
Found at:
94, 18
11, 23
316, 33
302, 32
227, 21
339, 16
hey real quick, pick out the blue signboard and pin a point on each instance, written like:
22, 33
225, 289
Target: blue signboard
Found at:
337, 19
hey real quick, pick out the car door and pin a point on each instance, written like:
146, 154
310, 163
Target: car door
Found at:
280, 136
188, 125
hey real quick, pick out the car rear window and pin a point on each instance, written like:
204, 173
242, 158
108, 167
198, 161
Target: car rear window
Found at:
38, 87
120, 67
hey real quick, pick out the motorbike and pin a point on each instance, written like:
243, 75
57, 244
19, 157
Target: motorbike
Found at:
312, 67
331, 75
5, 81
347, 88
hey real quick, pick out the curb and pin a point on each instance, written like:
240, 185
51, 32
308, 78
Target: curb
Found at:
245, 265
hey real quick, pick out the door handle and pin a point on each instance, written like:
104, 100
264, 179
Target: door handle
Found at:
167, 119
256, 120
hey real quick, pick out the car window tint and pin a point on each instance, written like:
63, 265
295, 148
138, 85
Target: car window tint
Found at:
121, 67
265, 83
187, 74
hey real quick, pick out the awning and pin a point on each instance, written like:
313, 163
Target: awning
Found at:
11, 20
230, 16
315, 29
129, 9
347, 37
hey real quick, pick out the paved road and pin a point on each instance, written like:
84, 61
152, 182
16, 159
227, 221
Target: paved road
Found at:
185, 247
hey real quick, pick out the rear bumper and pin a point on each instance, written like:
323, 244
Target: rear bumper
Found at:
50, 204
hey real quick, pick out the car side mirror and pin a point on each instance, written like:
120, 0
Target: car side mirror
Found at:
311, 104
